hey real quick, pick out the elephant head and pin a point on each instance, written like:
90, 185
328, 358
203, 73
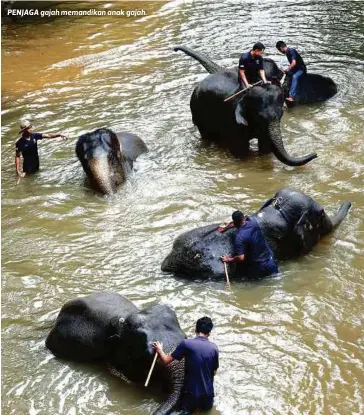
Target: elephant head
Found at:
261, 109
108, 328
107, 157
292, 224
133, 352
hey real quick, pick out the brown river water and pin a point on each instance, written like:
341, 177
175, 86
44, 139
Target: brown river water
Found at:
292, 344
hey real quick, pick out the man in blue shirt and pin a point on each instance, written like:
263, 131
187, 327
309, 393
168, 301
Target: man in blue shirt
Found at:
295, 69
27, 147
251, 248
201, 363
251, 65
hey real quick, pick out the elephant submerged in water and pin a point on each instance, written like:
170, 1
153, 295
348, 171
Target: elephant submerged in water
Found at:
292, 224
108, 157
255, 113
106, 327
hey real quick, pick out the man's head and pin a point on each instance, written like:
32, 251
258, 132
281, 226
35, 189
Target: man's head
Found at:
204, 325
238, 218
25, 127
258, 49
281, 46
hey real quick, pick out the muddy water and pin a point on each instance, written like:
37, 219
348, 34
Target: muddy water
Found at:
289, 345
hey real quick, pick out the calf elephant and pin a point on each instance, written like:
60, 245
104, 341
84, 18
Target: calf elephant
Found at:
107, 327
292, 224
253, 114
108, 157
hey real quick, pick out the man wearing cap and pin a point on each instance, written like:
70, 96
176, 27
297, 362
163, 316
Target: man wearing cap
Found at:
201, 363
250, 65
28, 147
251, 248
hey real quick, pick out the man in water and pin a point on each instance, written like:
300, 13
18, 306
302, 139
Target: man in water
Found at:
295, 69
251, 66
251, 248
201, 363
27, 147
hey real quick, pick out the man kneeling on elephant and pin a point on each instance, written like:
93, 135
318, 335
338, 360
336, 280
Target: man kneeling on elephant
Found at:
201, 363
251, 248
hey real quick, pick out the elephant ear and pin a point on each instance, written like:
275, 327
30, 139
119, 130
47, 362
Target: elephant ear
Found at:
239, 117
115, 144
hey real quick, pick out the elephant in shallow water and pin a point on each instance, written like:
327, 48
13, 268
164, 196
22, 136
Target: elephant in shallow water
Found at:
292, 224
108, 157
107, 327
255, 113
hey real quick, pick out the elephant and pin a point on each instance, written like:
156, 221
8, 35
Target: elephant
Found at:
108, 157
106, 327
291, 222
311, 88
255, 113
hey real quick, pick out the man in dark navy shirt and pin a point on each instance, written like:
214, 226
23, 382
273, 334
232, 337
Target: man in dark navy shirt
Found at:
251, 248
251, 67
295, 69
27, 146
201, 363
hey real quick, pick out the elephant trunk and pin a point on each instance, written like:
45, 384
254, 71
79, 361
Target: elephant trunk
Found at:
177, 375
341, 214
101, 175
274, 134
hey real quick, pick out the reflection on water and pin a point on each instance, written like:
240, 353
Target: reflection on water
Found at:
291, 344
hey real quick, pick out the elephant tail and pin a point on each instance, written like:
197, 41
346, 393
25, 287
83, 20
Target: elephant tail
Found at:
206, 62
341, 214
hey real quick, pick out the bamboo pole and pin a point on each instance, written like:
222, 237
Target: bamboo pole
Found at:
241, 91
151, 369
227, 275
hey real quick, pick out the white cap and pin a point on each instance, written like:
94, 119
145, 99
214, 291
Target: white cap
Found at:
24, 124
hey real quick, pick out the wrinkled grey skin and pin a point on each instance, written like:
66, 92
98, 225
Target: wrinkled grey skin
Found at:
106, 327
107, 157
197, 253
254, 114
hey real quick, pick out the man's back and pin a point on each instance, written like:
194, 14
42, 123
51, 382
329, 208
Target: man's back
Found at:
201, 361
250, 241
292, 54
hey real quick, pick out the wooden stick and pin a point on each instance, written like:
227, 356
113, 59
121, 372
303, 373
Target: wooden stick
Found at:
241, 91
151, 369
283, 78
227, 275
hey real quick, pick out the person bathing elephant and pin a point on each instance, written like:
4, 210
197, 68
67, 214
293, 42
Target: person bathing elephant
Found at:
292, 224
108, 328
255, 113
108, 157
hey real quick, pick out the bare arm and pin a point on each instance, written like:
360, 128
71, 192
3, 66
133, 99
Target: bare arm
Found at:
53, 135
292, 65
166, 358
17, 165
262, 75
237, 258
243, 78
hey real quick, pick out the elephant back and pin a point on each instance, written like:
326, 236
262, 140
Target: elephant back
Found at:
84, 325
197, 253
